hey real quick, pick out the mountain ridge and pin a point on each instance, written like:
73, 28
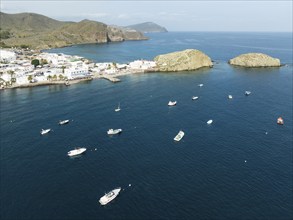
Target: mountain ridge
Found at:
148, 27
41, 32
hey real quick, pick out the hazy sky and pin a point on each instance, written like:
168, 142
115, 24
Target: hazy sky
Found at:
174, 15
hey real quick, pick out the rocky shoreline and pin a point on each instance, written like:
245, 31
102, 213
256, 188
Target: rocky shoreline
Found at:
186, 60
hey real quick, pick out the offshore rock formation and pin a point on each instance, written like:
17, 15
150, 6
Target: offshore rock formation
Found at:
189, 59
255, 60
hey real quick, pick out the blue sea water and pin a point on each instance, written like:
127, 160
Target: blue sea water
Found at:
239, 167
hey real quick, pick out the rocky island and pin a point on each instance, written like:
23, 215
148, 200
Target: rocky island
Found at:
255, 60
189, 59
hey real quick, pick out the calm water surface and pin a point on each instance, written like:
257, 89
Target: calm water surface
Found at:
240, 167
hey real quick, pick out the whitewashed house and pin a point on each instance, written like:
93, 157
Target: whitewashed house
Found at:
7, 56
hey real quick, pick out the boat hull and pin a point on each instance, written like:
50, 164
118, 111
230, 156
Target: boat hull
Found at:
179, 136
112, 132
76, 152
110, 196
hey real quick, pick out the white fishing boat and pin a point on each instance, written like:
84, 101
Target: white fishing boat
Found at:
247, 93
230, 97
170, 103
118, 108
63, 122
76, 151
114, 131
45, 131
200, 85
280, 121
209, 122
179, 136
194, 97
108, 197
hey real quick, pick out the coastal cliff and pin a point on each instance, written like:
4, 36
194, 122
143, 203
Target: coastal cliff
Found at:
40, 32
116, 33
255, 60
189, 59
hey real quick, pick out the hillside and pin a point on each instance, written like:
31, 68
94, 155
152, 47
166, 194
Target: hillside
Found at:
148, 27
41, 32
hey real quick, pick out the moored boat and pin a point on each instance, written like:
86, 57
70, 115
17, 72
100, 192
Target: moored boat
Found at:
108, 197
76, 151
170, 103
247, 93
209, 121
63, 122
45, 131
230, 96
179, 136
280, 121
194, 97
118, 108
114, 131
200, 85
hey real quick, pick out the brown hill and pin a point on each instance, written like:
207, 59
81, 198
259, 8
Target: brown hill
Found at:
40, 32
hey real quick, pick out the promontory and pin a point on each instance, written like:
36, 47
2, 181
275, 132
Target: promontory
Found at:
35, 31
189, 59
255, 60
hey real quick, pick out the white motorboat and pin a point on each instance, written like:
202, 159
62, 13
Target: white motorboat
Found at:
76, 151
247, 93
179, 136
170, 103
118, 108
200, 85
209, 122
280, 121
194, 97
108, 197
45, 131
230, 97
114, 131
63, 122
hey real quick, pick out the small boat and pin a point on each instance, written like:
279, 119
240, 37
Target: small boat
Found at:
45, 131
76, 151
194, 97
247, 93
63, 122
67, 84
114, 131
209, 122
179, 136
230, 97
280, 121
108, 197
200, 85
118, 108
170, 103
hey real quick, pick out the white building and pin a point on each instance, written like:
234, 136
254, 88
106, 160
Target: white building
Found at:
7, 56
76, 72
142, 64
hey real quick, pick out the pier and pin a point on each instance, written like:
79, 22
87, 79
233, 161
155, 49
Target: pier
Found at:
111, 78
